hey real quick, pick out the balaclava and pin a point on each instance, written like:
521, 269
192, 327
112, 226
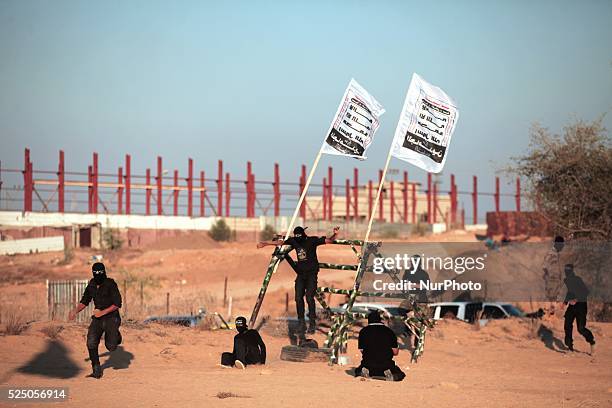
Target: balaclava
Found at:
569, 270
558, 243
374, 317
299, 233
241, 324
99, 273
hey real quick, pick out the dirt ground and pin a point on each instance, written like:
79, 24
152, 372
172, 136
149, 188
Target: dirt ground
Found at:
511, 363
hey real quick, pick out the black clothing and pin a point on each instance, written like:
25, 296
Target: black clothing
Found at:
377, 341
576, 289
419, 275
104, 295
578, 312
305, 285
248, 348
306, 251
107, 325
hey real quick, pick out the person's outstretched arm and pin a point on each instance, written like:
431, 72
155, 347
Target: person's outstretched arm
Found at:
333, 236
262, 244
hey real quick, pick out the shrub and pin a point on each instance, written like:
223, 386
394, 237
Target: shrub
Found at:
111, 239
268, 233
220, 231
15, 323
52, 331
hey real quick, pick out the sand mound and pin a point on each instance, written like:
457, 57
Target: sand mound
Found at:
188, 240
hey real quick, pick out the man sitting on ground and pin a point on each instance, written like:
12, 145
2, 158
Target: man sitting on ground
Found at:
249, 348
378, 345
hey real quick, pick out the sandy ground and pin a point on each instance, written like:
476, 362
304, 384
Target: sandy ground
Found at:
501, 365
504, 364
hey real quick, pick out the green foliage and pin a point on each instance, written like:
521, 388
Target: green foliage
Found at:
111, 239
220, 231
268, 233
568, 178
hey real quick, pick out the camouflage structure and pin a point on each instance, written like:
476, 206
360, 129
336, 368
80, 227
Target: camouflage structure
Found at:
417, 321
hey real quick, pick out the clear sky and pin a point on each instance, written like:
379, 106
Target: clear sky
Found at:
261, 81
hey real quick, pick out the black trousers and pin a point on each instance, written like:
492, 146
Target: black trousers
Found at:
577, 312
306, 285
241, 352
107, 326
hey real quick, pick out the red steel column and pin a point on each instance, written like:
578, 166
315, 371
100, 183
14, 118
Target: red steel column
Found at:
381, 209
356, 193
453, 200
253, 194
370, 198
496, 194
435, 202
276, 190
89, 189
405, 197
518, 194
330, 193
147, 193
248, 189
202, 186
429, 213
27, 182
324, 198
348, 199
95, 184
61, 187
128, 184
414, 204
302, 187
227, 194
120, 191
391, 201
220, 189
190, 188
160, 209
175, 193
475, 200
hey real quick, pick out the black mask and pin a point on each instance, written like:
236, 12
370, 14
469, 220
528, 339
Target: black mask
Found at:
99, 273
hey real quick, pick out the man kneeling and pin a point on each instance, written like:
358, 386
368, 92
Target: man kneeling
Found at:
249, 348
378, 345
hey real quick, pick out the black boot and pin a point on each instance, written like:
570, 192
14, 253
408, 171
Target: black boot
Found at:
312, 326
97, 371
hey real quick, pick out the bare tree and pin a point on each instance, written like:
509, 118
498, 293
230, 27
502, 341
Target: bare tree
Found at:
569, 178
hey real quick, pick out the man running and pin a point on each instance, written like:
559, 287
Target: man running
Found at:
378, 345
307, 269
249, 348
105, 318
576, 301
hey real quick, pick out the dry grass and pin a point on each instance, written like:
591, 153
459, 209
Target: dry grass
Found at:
52, 330
225, 394
14, 323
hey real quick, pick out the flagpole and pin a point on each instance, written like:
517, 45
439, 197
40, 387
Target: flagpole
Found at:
377, 199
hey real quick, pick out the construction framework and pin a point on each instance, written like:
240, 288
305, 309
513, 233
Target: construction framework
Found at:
223, 195
417, 321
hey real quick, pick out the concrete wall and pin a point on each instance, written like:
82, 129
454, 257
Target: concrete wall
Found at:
31, 245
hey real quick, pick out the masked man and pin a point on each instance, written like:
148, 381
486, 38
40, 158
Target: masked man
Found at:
307, 269
576, 301
249, 348
105, 318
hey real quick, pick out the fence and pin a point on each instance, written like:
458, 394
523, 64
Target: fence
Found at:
62, 297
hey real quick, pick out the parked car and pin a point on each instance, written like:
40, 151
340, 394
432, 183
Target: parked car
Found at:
468, 311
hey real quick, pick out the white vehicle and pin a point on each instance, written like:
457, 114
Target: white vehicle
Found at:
386, 308
468, 311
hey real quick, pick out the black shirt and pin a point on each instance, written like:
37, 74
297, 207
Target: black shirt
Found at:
104, 296
306, 251
376, 340
419, 275
576, 289
255, 347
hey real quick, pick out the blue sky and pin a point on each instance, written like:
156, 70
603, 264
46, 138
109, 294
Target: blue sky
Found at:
261, 81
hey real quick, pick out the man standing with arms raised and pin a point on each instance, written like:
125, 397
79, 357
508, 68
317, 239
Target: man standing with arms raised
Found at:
307, 269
